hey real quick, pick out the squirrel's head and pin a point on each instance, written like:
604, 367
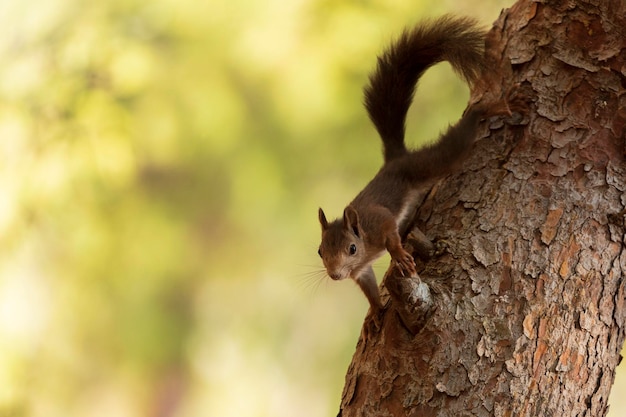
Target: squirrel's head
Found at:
342, 249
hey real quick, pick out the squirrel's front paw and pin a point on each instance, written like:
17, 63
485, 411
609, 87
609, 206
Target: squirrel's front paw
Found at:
405, 263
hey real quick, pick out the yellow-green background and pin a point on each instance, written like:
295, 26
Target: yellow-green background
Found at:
161, 164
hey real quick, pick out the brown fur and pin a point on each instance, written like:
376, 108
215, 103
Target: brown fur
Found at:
370, 224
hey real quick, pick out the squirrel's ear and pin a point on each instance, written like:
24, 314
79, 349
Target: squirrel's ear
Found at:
322, 217
351, 220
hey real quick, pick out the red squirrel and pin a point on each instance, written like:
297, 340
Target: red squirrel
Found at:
371, 222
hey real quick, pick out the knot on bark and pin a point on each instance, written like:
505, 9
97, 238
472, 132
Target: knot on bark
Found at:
411, 299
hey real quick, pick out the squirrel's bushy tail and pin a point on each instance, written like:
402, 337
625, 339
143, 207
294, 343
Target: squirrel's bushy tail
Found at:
391, 87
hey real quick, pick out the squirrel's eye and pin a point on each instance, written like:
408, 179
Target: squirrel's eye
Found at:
352, 249
319, 252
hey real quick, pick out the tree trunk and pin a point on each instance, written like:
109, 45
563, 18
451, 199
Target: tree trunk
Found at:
522, 311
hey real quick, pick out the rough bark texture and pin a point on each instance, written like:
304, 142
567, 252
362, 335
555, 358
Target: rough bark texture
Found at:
522, 313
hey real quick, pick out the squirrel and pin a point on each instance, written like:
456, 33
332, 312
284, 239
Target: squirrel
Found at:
371, 223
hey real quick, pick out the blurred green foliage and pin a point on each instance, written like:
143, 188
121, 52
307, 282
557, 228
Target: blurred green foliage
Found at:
161, 164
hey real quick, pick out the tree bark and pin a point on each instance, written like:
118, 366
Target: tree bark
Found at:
522, 311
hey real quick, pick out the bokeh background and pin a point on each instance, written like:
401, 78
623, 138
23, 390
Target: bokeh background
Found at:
161, 165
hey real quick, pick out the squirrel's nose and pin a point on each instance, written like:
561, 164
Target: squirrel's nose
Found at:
335, 275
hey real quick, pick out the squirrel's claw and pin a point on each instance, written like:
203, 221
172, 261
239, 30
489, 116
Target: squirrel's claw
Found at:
405, 263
